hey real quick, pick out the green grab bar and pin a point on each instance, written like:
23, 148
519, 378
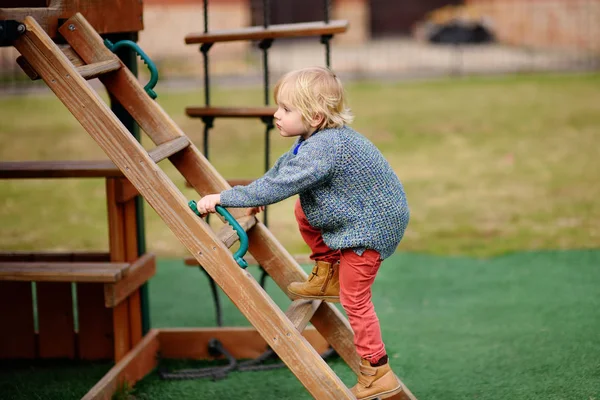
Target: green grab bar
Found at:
151, 66
238, 256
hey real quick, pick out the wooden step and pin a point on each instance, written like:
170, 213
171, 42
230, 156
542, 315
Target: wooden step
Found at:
230, 112
229, 236
87, 71
301, 311
92, 71
58, 169
169, 148
272, 32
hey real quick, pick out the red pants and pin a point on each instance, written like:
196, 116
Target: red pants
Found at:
357, 274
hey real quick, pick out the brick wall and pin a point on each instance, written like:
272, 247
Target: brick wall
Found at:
564, 24
167, 24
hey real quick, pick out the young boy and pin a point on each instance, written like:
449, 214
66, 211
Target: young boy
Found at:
352, 210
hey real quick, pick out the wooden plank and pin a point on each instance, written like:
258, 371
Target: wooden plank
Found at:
124, 190
139, 273
272, 32
133, 367
135, 317
17, 336
241, 342
301, 311
91, 71
169, 148
57, 169
169, 203
230, 112
131, 255
55, 320
61, 272
95, 323
19, 256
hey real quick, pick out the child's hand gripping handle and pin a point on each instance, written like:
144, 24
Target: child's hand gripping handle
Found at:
239, 254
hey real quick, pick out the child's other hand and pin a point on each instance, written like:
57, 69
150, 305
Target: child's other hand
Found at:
255, 210
208, 203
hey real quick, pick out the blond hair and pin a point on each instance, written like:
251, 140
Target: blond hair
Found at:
315, 91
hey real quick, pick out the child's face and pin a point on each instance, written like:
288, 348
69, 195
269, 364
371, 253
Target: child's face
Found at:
289, 121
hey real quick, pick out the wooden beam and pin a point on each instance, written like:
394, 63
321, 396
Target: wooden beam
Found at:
61, 272
271, 32
58, 169
139, 273
241, 342
136, 364
17, 335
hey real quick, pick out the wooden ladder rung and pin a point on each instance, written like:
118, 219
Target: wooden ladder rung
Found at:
169, 148
87, 71
300, 259
62, 271
301, 311
229, 236
91, 71
272, 32
58, 169
230, 112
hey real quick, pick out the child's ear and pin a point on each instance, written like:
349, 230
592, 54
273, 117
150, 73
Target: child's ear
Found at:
317, 120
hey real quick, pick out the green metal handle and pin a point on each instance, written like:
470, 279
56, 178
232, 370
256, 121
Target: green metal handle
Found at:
239, 254
151, 66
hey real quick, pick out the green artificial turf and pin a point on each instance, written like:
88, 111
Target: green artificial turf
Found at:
49, 379
520, 326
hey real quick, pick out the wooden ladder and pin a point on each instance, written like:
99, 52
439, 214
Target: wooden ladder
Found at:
281, 331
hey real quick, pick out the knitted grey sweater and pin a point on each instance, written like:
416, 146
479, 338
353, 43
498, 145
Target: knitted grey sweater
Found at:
347, 190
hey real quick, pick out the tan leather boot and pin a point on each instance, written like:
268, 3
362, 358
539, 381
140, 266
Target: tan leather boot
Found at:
376, 382
322, 284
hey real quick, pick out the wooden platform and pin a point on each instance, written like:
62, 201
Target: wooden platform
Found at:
106, 16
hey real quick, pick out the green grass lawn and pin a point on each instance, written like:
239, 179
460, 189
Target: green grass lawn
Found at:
490, 165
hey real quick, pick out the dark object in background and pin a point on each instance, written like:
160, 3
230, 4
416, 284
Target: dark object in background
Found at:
455, 25
454, 33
